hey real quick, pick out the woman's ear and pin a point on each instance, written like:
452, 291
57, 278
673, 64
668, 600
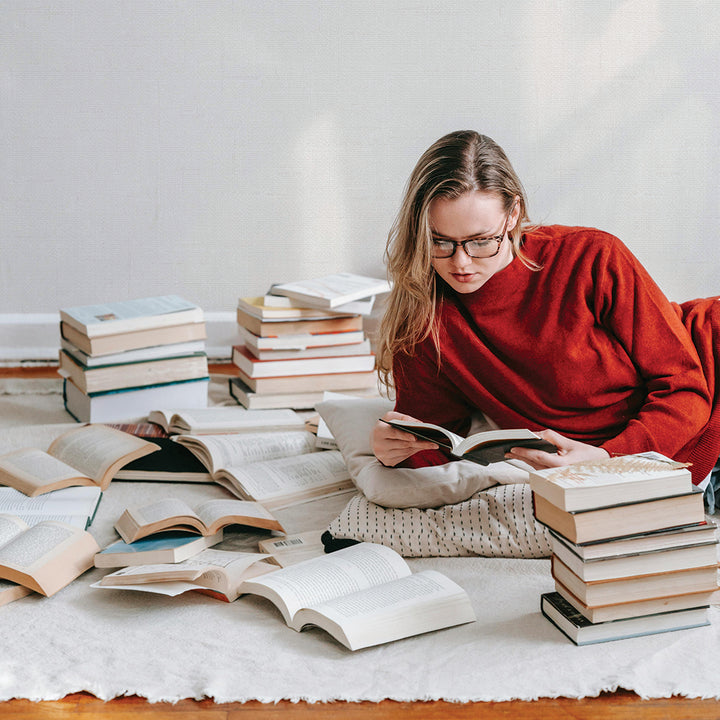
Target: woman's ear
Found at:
514, 213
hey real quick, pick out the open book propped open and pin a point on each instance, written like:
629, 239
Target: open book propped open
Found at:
483, 448
363, 595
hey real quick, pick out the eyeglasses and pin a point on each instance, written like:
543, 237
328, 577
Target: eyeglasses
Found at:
473, 247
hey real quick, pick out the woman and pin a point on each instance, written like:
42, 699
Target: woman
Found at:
557, 329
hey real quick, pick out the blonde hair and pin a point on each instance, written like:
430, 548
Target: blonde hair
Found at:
457, 163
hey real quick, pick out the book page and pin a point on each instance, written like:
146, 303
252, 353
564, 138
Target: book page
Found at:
10, 526
288, 475
213, 510
161, 510
222, 451
233, 419
340, 573
33, 546
34, 469
94, 449
67, 502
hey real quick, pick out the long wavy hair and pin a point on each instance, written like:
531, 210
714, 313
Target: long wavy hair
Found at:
457, 163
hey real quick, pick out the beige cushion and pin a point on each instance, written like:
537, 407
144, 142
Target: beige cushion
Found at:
351, 421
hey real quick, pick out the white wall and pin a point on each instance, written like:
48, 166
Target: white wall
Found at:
212, 148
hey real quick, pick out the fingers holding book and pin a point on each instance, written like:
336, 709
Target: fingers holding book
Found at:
392, 445
568, 452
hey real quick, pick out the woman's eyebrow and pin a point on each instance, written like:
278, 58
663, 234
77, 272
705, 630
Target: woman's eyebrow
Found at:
440, 236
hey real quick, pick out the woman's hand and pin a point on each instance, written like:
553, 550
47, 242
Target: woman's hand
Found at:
569, 452
391, 446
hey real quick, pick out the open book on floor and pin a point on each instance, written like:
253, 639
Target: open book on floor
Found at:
363, 595
332, 291
73, 505
483, 448
231, 419
87, 455
205, 519
44, 557
221, 572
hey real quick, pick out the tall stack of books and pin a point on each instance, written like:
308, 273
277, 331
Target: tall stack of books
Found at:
121, 360
632, 550
303, 339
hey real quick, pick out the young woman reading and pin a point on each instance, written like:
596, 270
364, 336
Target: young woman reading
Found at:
556, 329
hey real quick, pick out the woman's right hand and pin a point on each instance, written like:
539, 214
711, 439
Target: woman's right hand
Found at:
391, 446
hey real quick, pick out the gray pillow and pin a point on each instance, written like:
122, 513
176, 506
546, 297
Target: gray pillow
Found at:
351, 421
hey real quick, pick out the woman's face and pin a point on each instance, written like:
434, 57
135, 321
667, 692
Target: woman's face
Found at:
476, 215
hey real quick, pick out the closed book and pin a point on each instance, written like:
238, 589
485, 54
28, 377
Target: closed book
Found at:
615, 480
255, 368
581, 631
259, 308
621, 520
299, 341
254, 401
331, 291
156, 352
130, 315
124, 342
617, 611
699, 533
133, 403
639, 587
331, 351
307, 383
641, 564
168, 547
133, 375
276, 328
356, 307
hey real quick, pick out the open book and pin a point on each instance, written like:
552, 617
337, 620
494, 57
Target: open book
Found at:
363, 595
232, 419
206, 519
73, 505
10, 591
220, 571
483, 448
288, 480
44, 557
88, 455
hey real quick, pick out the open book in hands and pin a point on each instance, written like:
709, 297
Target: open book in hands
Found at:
206, 519
363, 595
88, 455
220, 571
483, 448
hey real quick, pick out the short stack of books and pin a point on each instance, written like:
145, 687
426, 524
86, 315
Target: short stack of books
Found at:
632, 550
303, 339
121, 360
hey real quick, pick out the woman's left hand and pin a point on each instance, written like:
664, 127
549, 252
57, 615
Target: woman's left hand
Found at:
569, 452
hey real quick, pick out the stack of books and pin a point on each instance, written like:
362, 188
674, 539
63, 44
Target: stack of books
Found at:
632, 550
122, 359
305, 338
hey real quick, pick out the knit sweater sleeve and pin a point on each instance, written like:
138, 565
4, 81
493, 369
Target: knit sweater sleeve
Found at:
677, 403
425, 393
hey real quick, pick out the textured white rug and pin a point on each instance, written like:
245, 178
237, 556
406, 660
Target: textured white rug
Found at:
115, 643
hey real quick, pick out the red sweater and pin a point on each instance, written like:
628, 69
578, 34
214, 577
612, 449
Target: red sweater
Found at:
588, 346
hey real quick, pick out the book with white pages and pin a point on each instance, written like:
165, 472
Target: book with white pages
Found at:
363, 306
231, 450
74, 506
288, 481
122, 316
155, 352
10, 591
332, 291
225, 419
299, 341
330, 351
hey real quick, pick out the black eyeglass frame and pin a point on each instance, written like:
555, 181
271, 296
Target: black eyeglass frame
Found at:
464, 243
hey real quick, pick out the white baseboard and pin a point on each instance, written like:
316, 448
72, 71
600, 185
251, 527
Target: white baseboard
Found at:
35, 337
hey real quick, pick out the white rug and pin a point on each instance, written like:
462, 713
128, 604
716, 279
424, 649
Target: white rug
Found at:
113, 643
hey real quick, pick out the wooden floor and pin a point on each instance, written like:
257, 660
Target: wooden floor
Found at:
621, 705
